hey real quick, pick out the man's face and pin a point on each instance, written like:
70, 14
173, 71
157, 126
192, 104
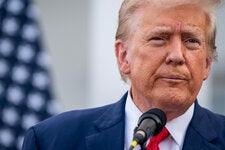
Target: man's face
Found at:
165, 56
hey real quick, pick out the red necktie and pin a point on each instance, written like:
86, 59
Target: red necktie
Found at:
155, 140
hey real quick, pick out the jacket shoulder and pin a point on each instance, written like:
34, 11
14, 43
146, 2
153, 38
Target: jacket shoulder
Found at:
217, 121
207, 129
74, 119
81, 117
62, 130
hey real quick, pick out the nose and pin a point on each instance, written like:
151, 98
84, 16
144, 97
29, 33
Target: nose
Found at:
175, 55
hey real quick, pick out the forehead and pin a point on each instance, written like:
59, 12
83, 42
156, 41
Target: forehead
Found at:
162, 29
181, 16
178, 12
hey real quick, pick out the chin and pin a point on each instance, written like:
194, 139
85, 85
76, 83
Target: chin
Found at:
173, 102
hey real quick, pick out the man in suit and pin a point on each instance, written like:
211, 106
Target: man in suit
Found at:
165, 49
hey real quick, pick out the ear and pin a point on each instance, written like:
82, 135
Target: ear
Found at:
207, 68
122, 56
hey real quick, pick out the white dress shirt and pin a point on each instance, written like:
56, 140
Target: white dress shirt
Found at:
177, 127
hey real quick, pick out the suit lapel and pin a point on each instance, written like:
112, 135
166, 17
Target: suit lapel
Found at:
109, 128
200, 132
195, 141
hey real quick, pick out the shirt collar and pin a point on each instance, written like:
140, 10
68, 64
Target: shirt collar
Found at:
178, 126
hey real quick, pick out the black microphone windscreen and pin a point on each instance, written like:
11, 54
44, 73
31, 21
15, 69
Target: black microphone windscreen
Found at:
158, 116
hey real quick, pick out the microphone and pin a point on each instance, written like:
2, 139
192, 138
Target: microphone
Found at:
149, 124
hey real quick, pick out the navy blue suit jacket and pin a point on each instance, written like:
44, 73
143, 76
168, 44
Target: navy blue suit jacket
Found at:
103, 129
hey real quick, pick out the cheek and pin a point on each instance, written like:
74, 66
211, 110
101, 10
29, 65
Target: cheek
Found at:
198, 67
144, 65
142, 60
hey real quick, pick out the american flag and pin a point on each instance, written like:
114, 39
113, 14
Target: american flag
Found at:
25, 93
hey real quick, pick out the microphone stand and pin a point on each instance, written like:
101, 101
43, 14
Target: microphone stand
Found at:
143, 146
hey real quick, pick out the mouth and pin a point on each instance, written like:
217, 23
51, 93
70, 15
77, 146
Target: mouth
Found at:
174, 78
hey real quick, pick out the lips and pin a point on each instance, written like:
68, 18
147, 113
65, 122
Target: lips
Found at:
174, 77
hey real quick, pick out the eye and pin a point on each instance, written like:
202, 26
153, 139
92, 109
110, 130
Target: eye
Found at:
157, 41
156, 38
192, 43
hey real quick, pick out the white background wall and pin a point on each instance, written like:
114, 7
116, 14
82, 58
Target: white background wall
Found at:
79, 35
104, 84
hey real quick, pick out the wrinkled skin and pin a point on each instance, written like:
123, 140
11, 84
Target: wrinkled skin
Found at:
165, 57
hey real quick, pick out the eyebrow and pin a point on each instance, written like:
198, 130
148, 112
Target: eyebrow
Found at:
160, 30
186, 30
193, 31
